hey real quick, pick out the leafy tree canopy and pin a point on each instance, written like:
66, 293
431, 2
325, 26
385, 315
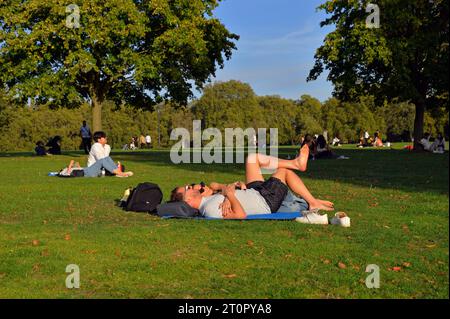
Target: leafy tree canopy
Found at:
137, 51
229, 105
405, 58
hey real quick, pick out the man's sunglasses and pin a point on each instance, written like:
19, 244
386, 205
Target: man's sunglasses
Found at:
201, 190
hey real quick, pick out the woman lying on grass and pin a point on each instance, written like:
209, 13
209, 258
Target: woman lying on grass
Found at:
256, 196
95, 170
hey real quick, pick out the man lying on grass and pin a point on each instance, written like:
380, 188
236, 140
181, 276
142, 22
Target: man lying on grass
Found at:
95, 170
256, 196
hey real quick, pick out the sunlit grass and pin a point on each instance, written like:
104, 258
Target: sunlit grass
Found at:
398, 202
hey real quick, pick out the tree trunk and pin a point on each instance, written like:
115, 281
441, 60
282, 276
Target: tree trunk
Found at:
418, 123
96, 115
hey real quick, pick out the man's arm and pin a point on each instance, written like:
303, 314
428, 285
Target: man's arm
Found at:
237, 211
217, 187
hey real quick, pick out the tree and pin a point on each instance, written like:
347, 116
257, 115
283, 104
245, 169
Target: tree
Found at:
229, 104
135, 51
3, 102
311, 105
406, 57
347, 120
281, 114
399, 119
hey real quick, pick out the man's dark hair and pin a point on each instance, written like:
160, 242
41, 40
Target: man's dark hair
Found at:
84, 122
175, 196
98, 135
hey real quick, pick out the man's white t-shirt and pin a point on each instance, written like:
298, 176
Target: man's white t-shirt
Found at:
251, 200
148, 139
98, 151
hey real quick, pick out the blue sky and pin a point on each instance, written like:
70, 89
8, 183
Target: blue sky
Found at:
277, 46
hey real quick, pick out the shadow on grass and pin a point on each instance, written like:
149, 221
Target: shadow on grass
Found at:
381, 168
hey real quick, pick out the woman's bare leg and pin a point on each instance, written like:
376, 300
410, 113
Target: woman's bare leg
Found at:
256, 161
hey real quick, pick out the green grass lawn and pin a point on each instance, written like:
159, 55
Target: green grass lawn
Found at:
397, 200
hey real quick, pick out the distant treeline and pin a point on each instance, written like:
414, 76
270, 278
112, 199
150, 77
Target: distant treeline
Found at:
223, 105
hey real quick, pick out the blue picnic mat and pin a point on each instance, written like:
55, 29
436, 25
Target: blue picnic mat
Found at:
274, 216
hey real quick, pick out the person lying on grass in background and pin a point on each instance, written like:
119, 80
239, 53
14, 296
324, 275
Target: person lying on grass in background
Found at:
258, 196
94, 170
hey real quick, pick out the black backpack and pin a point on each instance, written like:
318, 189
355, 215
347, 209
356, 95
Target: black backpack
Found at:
144, 198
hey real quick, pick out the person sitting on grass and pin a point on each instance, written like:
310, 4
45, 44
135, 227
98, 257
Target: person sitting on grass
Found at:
40, 149
54, 145
94, 170
256, 196
100, 149
378, 142
322, 149
425, 142
438, 144
336, 141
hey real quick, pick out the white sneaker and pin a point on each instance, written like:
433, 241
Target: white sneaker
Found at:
312, 217
341, 218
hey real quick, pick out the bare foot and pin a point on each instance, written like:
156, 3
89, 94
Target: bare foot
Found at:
302, 160
124, 174
69, 168
319, 205
326, 203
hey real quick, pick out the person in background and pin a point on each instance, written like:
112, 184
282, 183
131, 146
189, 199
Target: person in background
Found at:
142, 141
322, 149
54, 145
425, 142
40, 149
85, 133
378, 142
95, 170
100, 149
438, 144
336, 141
133, 143
148, 140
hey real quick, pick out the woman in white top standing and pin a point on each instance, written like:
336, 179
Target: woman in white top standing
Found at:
100, 149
